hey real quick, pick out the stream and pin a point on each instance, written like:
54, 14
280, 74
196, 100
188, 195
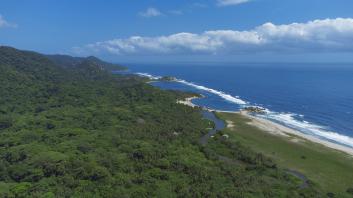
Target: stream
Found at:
218, 126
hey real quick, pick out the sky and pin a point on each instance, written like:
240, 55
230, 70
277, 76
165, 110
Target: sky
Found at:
183, 30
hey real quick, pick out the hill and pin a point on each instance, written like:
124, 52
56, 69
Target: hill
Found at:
72, 62
69, 128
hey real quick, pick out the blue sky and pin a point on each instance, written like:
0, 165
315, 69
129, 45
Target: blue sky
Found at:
183, 30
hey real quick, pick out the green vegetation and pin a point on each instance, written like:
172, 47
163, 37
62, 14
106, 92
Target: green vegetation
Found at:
71, 62
331, 170
75, 130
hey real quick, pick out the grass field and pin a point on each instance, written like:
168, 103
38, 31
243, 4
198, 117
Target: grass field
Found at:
331, 170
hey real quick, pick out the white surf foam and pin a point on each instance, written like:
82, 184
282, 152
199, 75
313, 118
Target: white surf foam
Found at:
228, 97
309, 128
149, 76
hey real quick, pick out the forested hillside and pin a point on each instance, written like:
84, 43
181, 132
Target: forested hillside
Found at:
71, 129
72, 62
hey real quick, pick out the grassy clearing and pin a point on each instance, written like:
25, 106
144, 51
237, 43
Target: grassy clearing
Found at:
331, 170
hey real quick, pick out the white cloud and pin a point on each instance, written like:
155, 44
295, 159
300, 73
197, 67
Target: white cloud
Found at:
329, 35
231, 2
4, 23
151, 12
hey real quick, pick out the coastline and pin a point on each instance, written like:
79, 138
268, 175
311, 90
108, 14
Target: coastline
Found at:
276, 129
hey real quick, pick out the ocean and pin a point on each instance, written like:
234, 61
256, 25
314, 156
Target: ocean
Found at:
316, 99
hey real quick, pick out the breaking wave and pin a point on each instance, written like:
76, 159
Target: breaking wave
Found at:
289, 120
230, 98
149, 76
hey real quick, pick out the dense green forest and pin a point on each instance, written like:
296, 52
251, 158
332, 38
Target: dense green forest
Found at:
69, 128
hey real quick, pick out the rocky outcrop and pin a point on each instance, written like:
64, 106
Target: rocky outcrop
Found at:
255, 109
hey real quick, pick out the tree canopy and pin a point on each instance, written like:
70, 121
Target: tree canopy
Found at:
70, 128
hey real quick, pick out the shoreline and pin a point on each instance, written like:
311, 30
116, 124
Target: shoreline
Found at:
281, 130
276, 129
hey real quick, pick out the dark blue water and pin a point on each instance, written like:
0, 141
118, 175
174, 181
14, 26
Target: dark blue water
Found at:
316, 99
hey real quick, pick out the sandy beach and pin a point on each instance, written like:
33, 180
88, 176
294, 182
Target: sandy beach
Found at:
188, 101
278, 129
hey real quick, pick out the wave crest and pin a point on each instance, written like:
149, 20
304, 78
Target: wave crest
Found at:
288, 119
149, 76
228, 97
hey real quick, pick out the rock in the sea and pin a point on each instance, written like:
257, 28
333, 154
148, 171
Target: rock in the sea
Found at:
255, 110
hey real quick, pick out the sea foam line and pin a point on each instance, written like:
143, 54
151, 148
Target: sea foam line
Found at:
287, 119
149, 76
228, 97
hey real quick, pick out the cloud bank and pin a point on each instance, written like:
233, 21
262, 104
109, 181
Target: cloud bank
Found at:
328, 35
4, 23
231, 2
